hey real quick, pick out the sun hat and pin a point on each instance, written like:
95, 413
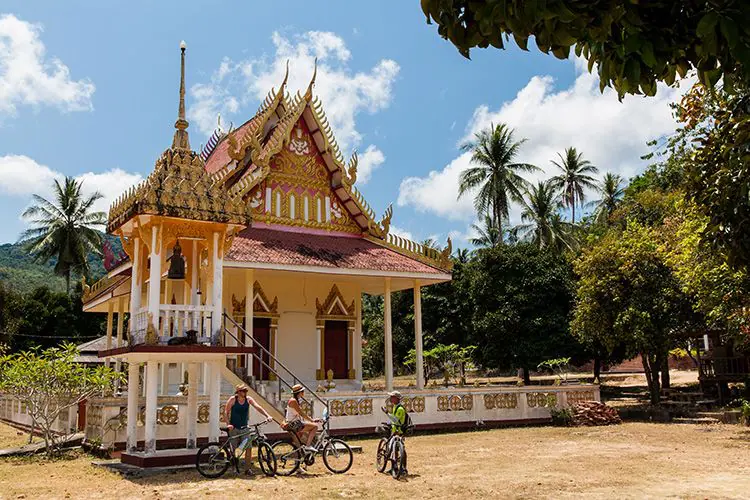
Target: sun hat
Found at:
240, 388
395, 394
297, 388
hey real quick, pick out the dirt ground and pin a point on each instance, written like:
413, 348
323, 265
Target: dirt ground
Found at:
11, 437
632, 460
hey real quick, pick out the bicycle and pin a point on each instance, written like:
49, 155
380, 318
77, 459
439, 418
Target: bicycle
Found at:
391, 449
337, 455
214, 459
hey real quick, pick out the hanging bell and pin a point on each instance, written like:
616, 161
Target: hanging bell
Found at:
176, 263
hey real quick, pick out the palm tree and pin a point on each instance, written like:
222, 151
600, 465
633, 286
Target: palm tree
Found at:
64, 229
574, 177
488, 236
495, 174
611, 191
542, 223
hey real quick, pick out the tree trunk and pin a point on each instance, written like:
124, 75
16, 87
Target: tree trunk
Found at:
665, 382
597, 368
526, 376
573, 206
651, 369
67, 280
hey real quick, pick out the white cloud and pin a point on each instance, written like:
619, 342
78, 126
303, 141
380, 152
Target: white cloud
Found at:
344, 92
28, 78
21, 176
610, 134
371, 159
403, 233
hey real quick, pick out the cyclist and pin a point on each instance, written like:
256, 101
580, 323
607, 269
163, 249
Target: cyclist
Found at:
298, 423
236, 414
398, 419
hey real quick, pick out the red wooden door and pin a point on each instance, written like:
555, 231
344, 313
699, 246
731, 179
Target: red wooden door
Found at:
262, 336
335, 356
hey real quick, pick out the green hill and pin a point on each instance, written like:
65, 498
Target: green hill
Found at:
20, 273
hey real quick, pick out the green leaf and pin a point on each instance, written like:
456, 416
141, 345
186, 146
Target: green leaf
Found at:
522, 42
647, 53
730, 31
707, 25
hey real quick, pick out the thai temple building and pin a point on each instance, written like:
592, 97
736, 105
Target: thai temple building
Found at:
246, 263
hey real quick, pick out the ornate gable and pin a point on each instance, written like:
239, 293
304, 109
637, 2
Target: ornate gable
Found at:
297, 190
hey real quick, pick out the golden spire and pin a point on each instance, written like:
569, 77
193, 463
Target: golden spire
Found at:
181, 140
308, 94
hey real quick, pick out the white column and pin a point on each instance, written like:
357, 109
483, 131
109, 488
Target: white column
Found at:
216, 287
206, 374
132, 430
154, 288
152, 376
110, 322
192, 406
213, 401
418, 333
358, 336
135, 283
318, 354
164, 378
120, 330
388, 336
249, 298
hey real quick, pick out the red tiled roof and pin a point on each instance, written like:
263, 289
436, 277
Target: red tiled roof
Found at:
219, 157
329, 251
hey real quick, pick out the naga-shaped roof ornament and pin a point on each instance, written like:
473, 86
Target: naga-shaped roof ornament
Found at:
308, 93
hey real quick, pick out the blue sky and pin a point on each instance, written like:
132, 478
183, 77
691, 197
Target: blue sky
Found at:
89, 89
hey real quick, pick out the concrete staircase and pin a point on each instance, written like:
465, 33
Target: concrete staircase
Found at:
267, 405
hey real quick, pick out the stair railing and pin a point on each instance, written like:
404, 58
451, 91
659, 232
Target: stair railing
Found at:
277, 363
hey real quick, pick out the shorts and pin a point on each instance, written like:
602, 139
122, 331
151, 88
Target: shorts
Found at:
295, 426
235, 432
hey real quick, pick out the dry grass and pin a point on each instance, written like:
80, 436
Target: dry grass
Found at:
627, 461
11, 437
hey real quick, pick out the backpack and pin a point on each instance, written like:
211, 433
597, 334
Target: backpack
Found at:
407, 425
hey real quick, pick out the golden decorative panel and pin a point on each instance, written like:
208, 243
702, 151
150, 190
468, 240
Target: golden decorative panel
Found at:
455, 403
501, 401
167, 415
574, 397
541, 399
350, 407
203, 415
334, 306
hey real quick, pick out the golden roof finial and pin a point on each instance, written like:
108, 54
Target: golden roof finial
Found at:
181, 140
308, 94
286, 78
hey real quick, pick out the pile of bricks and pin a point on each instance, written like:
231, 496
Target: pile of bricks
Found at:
589, 413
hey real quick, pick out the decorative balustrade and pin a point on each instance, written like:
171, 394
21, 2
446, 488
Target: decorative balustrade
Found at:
732, 367
175, 320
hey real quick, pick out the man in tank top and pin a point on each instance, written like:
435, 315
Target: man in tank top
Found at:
237, 413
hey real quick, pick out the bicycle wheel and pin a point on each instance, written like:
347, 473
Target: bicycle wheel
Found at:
337, 456
382, 457
212, 460
266, 459
288, 458
398, 459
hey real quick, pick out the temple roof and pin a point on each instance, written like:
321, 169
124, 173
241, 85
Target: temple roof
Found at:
288, 248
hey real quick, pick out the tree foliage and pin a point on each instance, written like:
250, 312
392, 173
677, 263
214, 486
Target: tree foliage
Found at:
627, 294
495, 175
574, 177
48, 382
523, 300
632, 45
64, 229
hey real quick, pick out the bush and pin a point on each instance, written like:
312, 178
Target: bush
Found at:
562, 417
745, 412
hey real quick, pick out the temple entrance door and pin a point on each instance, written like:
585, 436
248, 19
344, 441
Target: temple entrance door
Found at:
262, 336
335, 346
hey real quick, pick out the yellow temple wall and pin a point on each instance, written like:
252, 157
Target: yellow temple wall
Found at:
296, 339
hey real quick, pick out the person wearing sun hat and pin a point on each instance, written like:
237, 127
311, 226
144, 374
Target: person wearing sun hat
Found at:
297, 422
398, 418
237, 414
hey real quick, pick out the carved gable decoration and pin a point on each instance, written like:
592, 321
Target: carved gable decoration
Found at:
335, 306
261, 304
297, 191
238, 306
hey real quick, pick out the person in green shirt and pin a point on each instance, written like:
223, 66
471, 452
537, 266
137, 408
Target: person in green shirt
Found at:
398, 418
